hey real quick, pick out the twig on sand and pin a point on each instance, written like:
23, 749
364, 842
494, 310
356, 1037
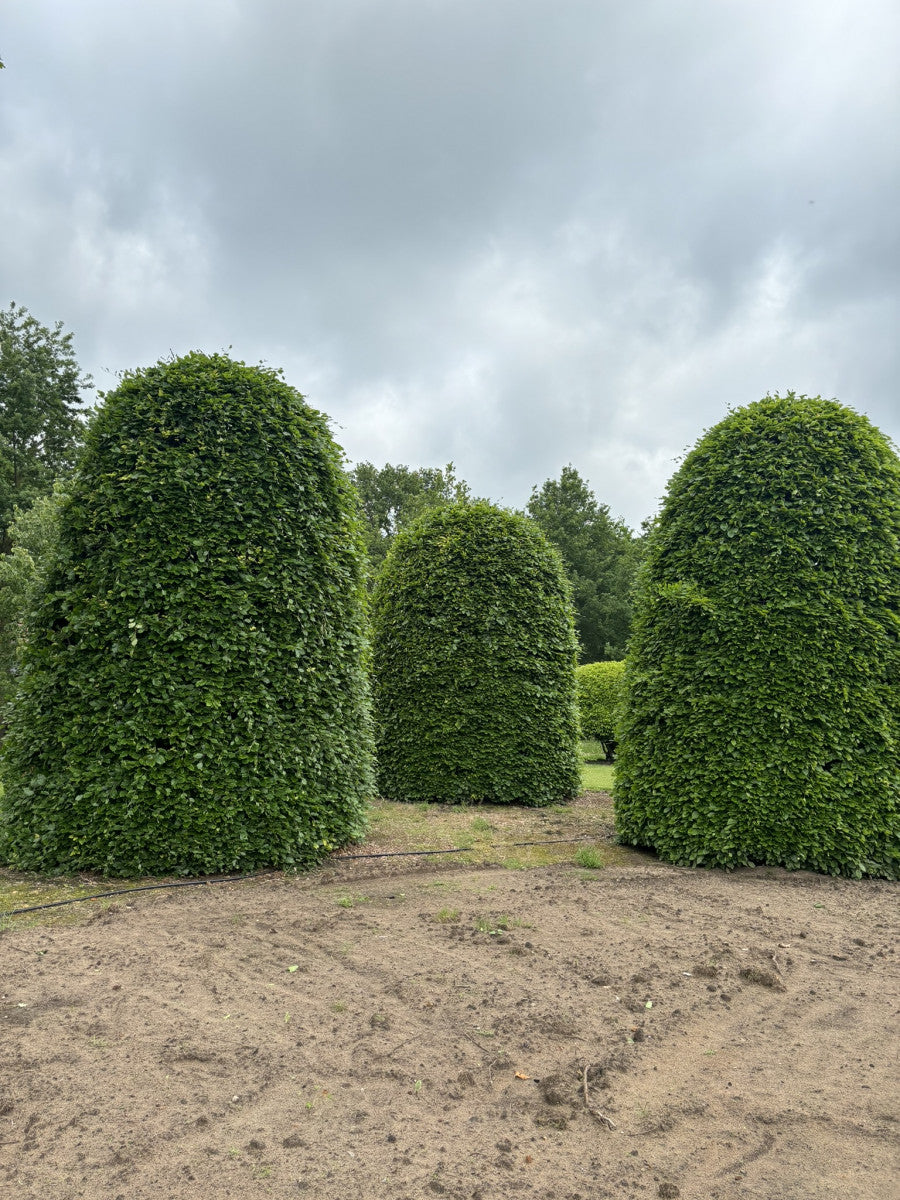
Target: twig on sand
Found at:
595, 1113
390, 1053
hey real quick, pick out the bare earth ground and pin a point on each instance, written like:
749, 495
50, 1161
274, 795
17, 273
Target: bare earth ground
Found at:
400, 1028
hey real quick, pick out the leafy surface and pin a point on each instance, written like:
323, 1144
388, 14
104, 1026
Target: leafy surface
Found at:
762, 722
33, 537
194, 698
392, 497
474, 662
41, 427
600, 556
600, 689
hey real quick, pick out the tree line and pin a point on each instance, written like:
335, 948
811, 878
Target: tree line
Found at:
43, 422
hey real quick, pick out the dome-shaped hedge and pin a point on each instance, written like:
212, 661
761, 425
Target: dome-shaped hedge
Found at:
194, 698
762, 715
474, 656
600, 689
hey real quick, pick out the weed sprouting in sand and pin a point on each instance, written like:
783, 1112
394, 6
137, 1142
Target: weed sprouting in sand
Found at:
590, 857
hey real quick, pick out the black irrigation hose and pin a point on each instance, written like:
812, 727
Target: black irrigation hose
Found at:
143, 887
152, 887
455, 850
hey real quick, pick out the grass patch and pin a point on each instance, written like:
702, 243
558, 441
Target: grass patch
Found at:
24, 889
589, 856
483, 840
486, 925
505, 835
484, 834
593, 751
597, 777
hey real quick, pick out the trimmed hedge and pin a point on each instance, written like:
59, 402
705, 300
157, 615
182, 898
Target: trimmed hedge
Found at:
474, 654
600, 690
762, 715
194, 698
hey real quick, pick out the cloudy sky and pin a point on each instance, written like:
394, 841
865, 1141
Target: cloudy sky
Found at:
511, 233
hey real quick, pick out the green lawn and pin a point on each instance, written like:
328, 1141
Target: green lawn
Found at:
597, 777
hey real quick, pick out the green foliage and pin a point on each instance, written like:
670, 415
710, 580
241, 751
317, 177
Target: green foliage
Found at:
474, 662
762, 718
600, 556
590, 857
193, 698
600, 690
41, 427
392, 497
33, 536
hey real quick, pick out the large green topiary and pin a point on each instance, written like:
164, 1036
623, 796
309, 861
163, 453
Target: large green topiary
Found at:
194, 698
600, 689
474, 655
762, 720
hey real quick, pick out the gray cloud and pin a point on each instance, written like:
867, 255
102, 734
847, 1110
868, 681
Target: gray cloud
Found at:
515, 234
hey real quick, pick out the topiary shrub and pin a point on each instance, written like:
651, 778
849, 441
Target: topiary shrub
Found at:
600, 689
474, 656
762, 714
193, 695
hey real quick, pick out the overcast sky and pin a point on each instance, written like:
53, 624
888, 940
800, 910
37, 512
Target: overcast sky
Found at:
511, 233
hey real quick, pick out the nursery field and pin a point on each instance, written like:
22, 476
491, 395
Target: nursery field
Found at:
555, 1021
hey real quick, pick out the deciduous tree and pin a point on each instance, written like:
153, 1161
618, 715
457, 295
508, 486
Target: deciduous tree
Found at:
391, 497
33, 534
600, 556
42, 417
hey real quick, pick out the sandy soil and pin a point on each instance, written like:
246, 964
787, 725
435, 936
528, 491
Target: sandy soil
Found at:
551, 1034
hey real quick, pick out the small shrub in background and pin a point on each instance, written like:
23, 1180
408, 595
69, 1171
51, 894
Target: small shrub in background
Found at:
193, 696
474, 655
600, 687
761, 721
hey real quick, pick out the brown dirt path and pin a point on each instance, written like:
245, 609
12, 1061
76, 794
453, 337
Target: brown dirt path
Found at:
551, 1034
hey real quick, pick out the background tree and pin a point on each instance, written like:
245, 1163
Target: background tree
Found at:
473, 655
33, 535
391, 497
600, 692
600, 555
42, 420
193, 695
761, 721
